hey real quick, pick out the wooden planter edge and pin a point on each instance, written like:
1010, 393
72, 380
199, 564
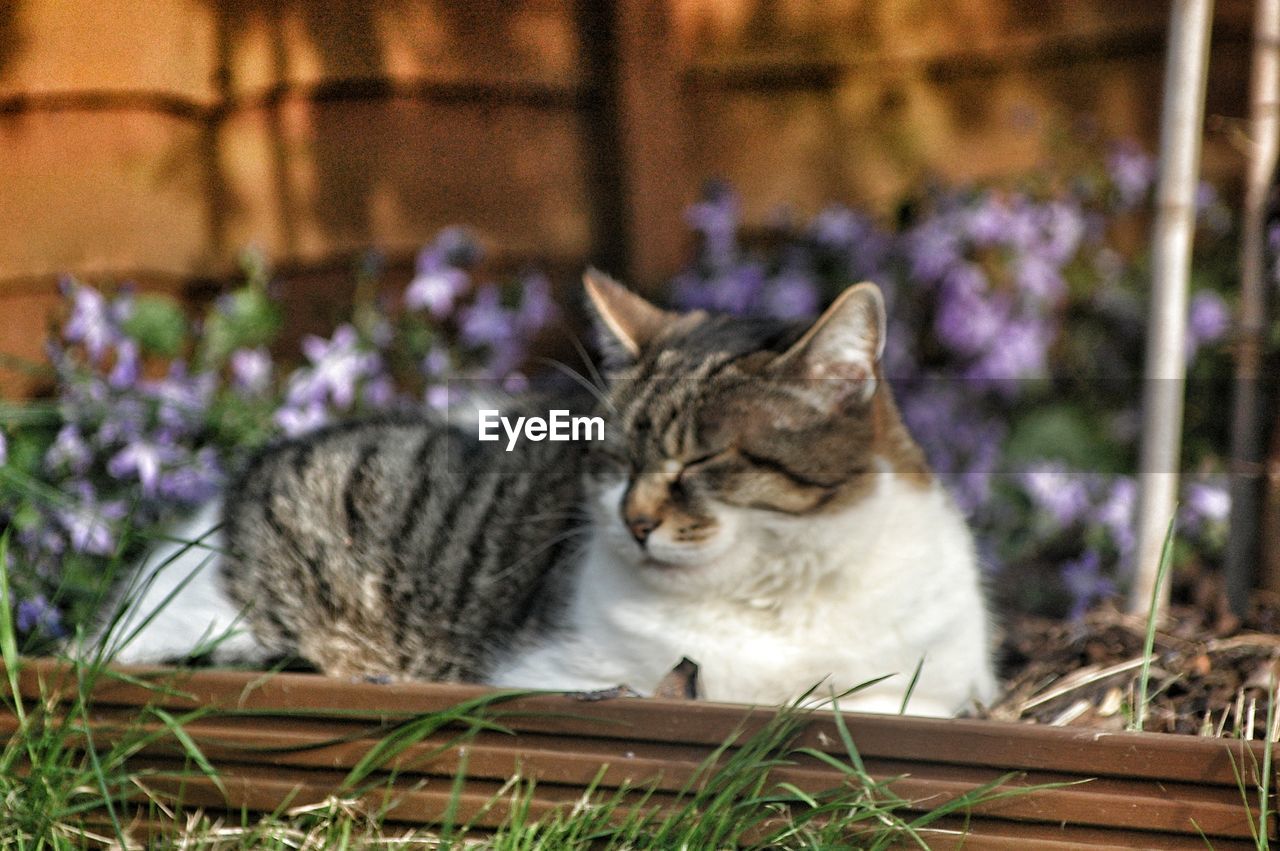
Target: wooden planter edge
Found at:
295, 737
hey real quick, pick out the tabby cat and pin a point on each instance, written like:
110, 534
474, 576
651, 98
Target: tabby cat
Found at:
755, 505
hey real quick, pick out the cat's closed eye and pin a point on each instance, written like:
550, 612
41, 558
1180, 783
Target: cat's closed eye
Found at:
703, 459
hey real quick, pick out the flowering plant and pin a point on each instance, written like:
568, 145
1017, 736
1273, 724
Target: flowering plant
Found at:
1014, 348
151, 408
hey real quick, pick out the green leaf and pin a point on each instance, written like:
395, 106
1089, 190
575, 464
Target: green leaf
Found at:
158, 324
245, 318
1063, 433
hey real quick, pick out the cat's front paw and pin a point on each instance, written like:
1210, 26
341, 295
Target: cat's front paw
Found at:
622, 690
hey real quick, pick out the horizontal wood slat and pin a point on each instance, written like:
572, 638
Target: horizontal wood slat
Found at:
295, 737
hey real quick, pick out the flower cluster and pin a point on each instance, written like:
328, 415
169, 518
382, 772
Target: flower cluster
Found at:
1015, 328
151, 408
1015, 332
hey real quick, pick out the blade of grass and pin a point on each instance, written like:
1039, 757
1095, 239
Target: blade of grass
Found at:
911, 686
1263, 834
1149, 641
177, 729
8, 637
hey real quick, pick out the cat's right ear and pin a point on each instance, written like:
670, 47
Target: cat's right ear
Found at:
838, 355
625, 322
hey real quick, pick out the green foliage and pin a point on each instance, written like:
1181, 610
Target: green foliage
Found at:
158, 324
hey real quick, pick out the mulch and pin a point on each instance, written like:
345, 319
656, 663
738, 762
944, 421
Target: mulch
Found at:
1211, 673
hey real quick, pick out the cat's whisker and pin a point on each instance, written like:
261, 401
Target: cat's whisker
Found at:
581, 380
598, 379
538, 518
505, 572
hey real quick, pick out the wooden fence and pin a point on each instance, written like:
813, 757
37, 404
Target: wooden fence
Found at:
154, 141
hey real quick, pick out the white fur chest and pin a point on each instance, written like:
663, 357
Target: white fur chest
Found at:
835, 602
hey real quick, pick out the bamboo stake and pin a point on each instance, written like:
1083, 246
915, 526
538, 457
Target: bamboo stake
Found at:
1181, 120
1246, 436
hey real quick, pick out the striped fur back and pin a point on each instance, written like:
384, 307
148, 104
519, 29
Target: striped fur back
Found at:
398, 548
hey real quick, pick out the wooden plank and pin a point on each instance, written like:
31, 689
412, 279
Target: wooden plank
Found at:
533, 43
987, 743
312, 730
657, 178
309, 180
802, 44
164, 47
95, 191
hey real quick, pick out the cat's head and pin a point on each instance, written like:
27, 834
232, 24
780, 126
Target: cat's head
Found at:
723, 431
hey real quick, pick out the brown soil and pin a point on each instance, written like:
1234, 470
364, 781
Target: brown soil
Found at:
1211, 673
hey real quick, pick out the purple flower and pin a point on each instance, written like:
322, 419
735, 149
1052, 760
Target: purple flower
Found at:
1206, 503
537, 309
125, 420
69, 453
988, 222
1208, 320
1273, 244
792, 294
933, 248
1132, 173
142, 460
504, 356
486, 322
436, 361
81, 398
974, 487
1085, 583
4, 449
716, 217
1116, 513
1056, 491
1063, 229
301, 419
864, 246
183, 399
969, 319
437, 290
193, 481
1039, 277
453, 246
124, 373
1025, 225
737, 290
251, 370
437, 396
1206, 196
37, 613
515, 382
379, 392
89, 523
336, 365
1021, 352
90, 322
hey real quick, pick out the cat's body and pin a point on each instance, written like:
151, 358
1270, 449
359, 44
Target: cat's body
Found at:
756, 506
400, 548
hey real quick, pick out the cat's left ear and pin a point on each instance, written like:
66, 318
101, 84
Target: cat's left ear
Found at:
837, 356
627, 323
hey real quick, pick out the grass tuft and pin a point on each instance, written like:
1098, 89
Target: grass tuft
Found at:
1142, 699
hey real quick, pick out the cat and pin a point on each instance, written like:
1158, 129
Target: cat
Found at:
756, 505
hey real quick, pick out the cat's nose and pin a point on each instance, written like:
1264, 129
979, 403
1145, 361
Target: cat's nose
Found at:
641, 525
